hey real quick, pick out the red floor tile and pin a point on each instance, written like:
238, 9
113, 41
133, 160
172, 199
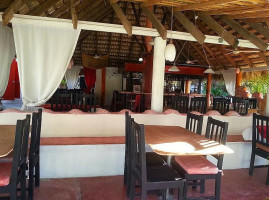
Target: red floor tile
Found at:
236, 185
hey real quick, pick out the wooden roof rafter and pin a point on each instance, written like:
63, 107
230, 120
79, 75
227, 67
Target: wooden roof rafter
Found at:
245, 33
124, 20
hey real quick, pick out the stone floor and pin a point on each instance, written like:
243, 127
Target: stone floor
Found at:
236, 185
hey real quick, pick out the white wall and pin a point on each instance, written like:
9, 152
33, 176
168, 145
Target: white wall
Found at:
113, 82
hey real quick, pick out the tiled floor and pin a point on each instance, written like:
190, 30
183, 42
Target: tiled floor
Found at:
236, 185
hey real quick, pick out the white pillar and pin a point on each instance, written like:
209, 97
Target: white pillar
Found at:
158, 75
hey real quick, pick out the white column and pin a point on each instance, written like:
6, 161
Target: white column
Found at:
158, 75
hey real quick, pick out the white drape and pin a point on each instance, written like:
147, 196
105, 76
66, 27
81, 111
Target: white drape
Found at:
230, 79
7, 54
43, 54
71, 76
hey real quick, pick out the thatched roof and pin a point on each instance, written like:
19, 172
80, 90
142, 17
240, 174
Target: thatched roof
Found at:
228, 19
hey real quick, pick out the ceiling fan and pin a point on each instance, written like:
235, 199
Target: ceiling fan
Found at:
235, 51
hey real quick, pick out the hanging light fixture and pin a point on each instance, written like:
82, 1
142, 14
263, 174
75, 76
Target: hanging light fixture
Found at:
170, 50
209, 70
174, 68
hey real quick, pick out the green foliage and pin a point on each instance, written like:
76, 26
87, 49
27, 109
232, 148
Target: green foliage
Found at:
258, 84
219, 90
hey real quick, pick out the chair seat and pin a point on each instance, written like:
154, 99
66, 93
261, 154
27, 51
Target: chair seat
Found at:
160, 173
196, 165
154, 159
262, 147
5, 173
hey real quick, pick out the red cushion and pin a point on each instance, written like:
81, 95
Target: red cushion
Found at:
264, 131
196, 165
5, 173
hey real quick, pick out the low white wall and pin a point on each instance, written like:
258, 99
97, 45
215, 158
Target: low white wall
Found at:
104, 125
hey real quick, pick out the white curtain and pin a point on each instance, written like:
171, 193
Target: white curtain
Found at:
230, 79
7, 54
72, 75
43, 54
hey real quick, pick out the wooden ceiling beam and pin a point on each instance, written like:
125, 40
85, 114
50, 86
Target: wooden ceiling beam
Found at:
125, 22
5, 3
73, 14
43, 7
214, 56
194, 6
61, 10
264, 58
245, 33
202, 55
217, 28
89, 9
238, 10
234, 64
246, 59
11, 10
155, 22
191, 28
260, 28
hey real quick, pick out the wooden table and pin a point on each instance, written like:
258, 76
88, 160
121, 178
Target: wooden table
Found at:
175, 140
7, 137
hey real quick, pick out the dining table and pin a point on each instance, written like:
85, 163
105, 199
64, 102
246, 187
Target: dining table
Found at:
7, 138
178, 141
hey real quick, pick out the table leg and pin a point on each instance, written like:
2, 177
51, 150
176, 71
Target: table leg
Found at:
168, 196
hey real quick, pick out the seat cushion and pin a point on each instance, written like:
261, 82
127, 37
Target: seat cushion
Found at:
196, 165
5, 173
154, 159
159, 173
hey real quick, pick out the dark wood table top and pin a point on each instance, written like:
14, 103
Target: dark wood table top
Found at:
175, 140
7, 137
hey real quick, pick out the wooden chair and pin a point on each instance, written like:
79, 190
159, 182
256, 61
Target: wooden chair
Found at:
61, 102
198, 104
222, 105
260, 142
194, 123
13, 173
198, 168
118, 101
156, 177
85, 102
180, 103
151, 157
241, 106
34, 159
252, 103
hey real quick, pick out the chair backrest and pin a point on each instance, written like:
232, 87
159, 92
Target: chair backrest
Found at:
241, 106
194, 123
138, 154
180, 103
222, 105
128, 123
167, 99
85, 102
35, 135
260, 130
19, 161
62, 102
217, 130
252, 103
198, 104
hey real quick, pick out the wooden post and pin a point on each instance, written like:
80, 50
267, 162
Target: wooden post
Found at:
188, 87
208, 88
148, 38
238, 79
